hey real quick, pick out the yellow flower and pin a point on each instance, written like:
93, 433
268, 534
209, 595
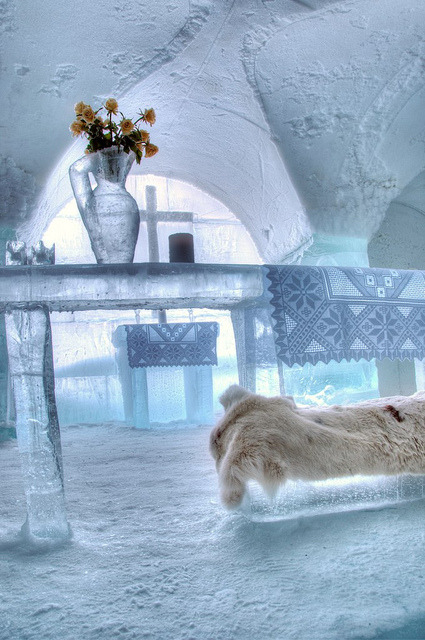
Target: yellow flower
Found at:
79, 108
111, 105
76, 128
145, 135
151, 150
149, 116
126, 126
88, 114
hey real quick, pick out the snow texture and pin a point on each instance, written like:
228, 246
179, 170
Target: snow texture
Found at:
155, 556
344, 95
18, 189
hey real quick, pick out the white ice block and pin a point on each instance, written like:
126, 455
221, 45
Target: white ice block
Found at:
296, 499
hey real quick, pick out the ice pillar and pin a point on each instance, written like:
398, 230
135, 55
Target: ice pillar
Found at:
6, 235
243, 321
29, 345
198, 384
255, 347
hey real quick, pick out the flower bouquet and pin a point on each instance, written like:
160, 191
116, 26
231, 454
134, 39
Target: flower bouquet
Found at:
105, 132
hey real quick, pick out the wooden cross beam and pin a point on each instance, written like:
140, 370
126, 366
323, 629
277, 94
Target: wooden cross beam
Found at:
152, 216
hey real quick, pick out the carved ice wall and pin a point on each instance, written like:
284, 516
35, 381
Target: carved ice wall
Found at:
298, 115
343, 91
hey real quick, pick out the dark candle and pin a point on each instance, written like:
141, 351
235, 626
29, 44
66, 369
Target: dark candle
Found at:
181, 247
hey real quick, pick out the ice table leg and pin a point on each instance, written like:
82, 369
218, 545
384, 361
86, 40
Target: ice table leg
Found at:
255, 351
29, 345
133, 384
198, 390
125, 375
243, 321
3, 373
140, 398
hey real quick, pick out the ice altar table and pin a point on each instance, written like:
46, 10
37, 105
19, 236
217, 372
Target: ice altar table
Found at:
319, 313
29, 293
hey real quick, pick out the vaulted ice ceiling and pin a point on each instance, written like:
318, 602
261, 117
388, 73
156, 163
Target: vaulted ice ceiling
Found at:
301, 116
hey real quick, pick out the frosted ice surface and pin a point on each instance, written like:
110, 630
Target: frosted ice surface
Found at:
90, 399
333, 383
166, 394
297, 499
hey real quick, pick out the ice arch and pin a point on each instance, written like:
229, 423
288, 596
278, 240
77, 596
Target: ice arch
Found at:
218, 235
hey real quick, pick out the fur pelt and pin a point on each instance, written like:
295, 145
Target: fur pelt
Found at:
271, 440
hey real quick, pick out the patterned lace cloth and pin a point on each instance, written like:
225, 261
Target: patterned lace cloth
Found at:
172, 345
332, 313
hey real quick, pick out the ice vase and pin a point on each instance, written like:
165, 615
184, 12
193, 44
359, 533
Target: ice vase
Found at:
109, 213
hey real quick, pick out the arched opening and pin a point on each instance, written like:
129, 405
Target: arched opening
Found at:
218, 235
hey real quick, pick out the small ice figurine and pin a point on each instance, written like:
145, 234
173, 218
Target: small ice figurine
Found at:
16, 252
40, 254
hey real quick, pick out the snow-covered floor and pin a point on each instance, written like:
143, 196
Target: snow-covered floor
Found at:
155, 556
